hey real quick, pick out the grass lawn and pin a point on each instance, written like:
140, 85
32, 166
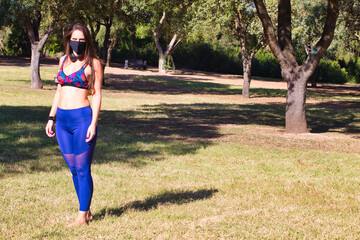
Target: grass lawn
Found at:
178, 159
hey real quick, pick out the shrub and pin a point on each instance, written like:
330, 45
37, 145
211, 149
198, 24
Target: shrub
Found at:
352, 66
205, 57
330, 71
266, 65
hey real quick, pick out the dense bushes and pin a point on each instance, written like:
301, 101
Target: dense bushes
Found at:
205, 57
330, 71
266, 65
352, 67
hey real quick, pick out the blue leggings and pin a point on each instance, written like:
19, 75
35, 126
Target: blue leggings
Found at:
71, 129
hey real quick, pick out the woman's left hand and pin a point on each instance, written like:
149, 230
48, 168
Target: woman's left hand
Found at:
90, 133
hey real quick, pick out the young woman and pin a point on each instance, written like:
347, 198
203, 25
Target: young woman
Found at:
80, 74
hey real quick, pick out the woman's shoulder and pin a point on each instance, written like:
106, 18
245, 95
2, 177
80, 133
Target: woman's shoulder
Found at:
97, 63
61, 61
62, 58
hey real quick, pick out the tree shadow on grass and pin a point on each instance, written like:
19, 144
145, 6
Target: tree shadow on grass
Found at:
174, 85
150, 203
165, 85
122, 138
344, 121
12, 61
151, 133
336, 90
23, 139
136, 137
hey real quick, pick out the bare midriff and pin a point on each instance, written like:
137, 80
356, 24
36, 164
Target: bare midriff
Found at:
73, 97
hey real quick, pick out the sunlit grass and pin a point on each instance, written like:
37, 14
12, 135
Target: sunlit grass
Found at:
183, 164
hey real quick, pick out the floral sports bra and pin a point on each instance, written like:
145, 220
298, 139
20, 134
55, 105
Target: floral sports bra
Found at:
76, 79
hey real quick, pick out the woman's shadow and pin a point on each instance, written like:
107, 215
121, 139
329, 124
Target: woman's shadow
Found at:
169, 197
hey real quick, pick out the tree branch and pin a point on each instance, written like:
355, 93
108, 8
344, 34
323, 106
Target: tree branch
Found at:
171, 44
162, 18
284, 29
46, 35
269, 31
329, 28
30, 31
240, 27
175, 46
156, 33
307, 49
260, 45
357, 34
328, 34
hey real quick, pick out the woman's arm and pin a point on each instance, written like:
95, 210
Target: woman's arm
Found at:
49, 126
96, 99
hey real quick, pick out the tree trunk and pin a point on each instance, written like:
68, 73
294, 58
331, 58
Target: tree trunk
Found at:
133, 45
104, 52
110, 49
109, 56
295, 101
162, 63
172, 62
106, 42
94, 32
247, 78
36, 82
37, 47
2, 47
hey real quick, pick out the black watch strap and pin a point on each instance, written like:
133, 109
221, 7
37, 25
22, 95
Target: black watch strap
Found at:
51, 118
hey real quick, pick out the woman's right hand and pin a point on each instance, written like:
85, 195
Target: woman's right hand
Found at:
49, 128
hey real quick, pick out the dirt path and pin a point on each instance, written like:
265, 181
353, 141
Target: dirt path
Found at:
190, 75
197, 76
184, 74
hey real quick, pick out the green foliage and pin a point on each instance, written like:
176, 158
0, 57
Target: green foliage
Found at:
348, 36
352, 66
266, 65
5, 14
18, 43
207, 57
309, 19
54, 45
330, 71
176, 19
168, 64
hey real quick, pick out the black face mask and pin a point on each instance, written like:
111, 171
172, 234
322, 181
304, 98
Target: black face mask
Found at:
78, 47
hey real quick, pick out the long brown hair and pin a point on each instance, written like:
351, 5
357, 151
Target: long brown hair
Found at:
89, 53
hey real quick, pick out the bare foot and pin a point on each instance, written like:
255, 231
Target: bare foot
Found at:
89, 216
80, 220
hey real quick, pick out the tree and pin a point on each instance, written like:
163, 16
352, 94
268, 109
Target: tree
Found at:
168, 20
4, 22
308, 19
99, 15
134, 14
349, 17
33, 19
102, 13
294, 74
239, 18
38, 18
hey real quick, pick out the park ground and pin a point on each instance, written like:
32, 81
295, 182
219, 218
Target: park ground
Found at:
183, 156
